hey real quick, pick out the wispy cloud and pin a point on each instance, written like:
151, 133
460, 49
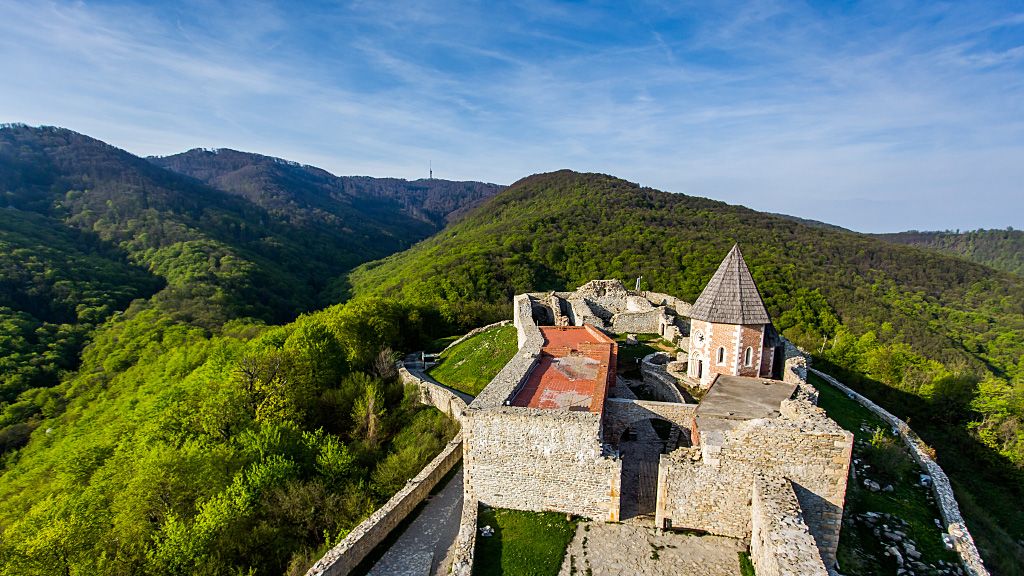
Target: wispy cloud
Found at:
876, 118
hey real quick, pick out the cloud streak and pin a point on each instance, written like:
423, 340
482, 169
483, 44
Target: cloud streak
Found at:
872, 118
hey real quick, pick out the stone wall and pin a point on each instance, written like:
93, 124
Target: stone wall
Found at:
659, 381
794, 371
944, 497
451, 402
518, 369
463, 550
532, 459
341, 559
620, 413
583, 313
476, 331
780, 543
802, 445
681, 307
646, 322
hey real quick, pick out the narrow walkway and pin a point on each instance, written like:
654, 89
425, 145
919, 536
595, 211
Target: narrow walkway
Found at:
424, 543
415, 367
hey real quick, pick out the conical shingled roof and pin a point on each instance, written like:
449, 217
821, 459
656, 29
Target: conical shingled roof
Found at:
731, 296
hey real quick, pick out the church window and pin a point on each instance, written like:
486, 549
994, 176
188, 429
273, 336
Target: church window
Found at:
721, 355
748, 356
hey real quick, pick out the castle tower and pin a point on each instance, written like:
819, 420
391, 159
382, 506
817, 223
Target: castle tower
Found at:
729, 326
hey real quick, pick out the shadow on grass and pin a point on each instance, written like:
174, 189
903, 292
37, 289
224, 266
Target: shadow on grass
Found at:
984, 481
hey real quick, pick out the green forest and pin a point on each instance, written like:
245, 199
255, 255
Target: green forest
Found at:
1000, 249
153, 419
193, 378
936, 339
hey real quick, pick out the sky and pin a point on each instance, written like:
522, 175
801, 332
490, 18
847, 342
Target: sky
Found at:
873, 116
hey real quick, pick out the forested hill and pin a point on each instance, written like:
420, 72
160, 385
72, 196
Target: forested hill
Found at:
151, 421
301, 192
936, 338
86, 227
1000, 249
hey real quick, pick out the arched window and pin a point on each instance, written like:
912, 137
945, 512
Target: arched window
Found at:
721, 355
748, 356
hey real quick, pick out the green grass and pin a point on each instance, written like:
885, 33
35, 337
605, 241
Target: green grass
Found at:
746, 566
628, 355
524, 543
860, 552
469, 366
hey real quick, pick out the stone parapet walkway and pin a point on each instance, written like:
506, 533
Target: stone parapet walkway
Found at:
425, 542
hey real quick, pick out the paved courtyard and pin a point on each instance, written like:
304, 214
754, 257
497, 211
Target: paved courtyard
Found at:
621, 549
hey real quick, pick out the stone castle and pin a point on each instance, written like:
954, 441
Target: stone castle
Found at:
754, 458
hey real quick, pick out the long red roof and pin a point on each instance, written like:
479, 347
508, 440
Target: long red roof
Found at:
575, 369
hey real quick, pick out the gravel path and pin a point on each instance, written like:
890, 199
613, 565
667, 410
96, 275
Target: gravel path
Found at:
622, 549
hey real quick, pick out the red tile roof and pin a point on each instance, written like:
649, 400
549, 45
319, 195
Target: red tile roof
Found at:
575, 369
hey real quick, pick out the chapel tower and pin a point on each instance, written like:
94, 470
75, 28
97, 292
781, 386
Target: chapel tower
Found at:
730, 331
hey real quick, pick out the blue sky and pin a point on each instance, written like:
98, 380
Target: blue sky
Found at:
874, 116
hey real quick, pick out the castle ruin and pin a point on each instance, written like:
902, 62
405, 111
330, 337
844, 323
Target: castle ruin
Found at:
754, 459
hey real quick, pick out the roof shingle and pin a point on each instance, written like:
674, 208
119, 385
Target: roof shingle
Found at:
731, 296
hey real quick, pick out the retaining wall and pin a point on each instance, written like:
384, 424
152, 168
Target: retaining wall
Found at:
780, 542
944, 497
341, 559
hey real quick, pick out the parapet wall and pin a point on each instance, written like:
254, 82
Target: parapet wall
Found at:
780, 542
802, 445
341, 559
463, 550
941, 488
432, 393
518, 369
532, 459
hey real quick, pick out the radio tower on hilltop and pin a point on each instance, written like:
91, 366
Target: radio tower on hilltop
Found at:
431, 169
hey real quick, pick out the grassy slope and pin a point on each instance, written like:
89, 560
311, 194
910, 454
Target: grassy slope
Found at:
471, 364
524, 543
859, 550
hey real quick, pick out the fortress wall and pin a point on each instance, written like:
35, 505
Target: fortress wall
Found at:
780, 542
518, 369
802, 445
462, 553
537, 460
645, 322
681, 307
659, 381
347, 554
582, 313
434, 394
941, 488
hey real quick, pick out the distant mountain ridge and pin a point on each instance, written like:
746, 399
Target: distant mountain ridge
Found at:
282, 186
85, 228
1000, 249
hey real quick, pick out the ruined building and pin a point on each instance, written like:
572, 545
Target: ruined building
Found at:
755, 458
